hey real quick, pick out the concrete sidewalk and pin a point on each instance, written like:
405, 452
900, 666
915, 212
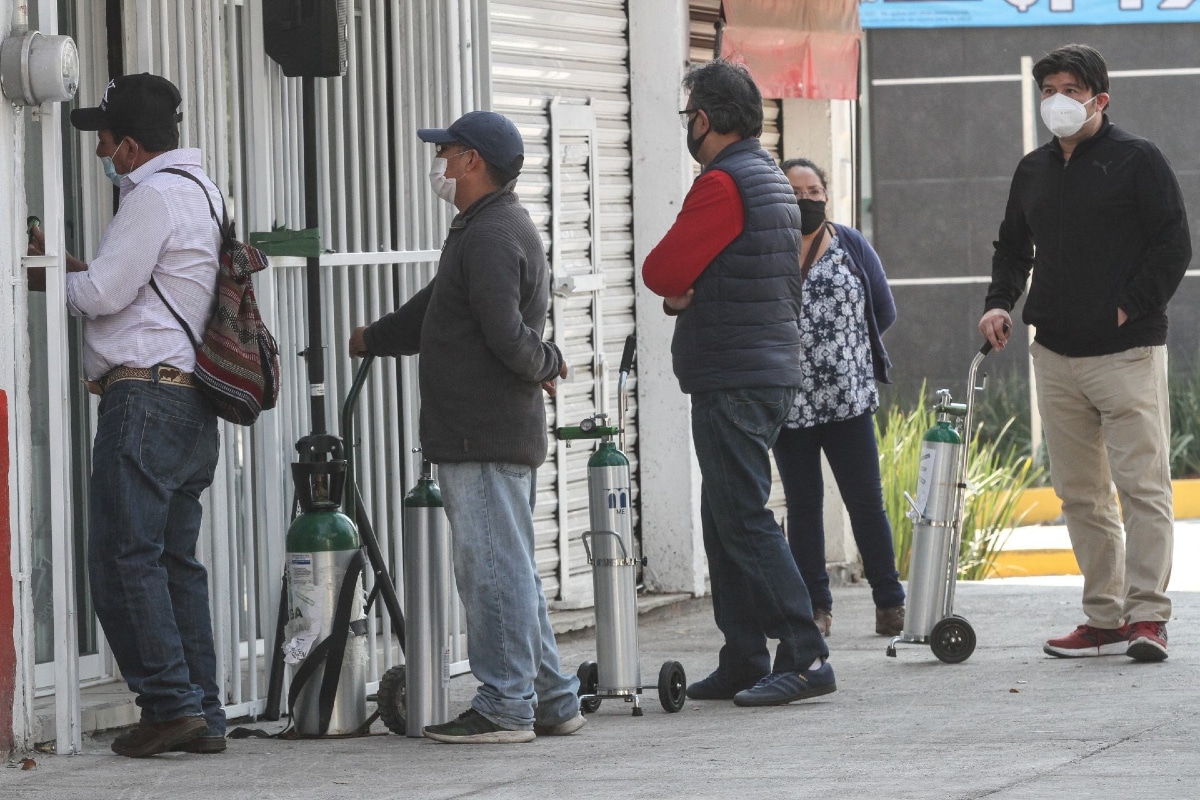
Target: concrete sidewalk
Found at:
1008, 723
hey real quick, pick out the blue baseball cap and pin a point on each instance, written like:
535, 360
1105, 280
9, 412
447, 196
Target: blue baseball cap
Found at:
492, 135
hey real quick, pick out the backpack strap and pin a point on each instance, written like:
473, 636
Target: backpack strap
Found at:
222, 226
188, 328
223, 222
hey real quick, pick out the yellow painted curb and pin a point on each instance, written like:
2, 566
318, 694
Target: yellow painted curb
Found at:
1041, 504
1030, 563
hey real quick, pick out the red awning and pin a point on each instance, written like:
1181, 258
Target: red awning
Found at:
796, 48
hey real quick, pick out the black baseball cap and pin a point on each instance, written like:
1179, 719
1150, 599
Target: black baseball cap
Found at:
133, 104
492, 135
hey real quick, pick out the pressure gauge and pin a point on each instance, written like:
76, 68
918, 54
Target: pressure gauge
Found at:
36, 69
588, 425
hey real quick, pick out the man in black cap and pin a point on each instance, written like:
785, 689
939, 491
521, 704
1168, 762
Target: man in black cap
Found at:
156, 446
478, 326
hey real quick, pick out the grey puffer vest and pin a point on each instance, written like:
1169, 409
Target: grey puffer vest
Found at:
740, 330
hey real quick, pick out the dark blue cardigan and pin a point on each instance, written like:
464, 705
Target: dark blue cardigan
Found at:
880, 307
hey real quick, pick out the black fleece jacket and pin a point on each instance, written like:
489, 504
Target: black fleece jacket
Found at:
1110, 231
478, 327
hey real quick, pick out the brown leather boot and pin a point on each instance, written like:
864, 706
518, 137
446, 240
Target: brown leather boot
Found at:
889, 621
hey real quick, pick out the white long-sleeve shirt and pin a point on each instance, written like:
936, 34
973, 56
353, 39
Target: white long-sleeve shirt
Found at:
165, 230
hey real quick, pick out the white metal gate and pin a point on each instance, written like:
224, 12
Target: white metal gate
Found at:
411, 65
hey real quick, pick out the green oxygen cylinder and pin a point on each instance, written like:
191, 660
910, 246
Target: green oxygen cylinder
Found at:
933, 520
323, 554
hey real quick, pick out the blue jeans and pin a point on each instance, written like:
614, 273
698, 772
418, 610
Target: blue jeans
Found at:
156, 450
757, 589
853, 456
510, 643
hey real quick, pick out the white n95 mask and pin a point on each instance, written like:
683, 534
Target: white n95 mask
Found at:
1063, 115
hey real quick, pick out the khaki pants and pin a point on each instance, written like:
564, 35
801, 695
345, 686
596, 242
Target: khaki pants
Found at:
1107, 424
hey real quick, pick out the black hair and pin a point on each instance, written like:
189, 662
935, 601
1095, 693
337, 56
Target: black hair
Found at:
156, 141
804, 163
729, 96
496, 175
1082, 61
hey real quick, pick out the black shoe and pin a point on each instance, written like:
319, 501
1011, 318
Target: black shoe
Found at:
471, 727
201, 744
152, 738
781, 688
715, 688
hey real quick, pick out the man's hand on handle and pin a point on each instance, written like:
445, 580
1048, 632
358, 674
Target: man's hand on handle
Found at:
996, 326
358, 343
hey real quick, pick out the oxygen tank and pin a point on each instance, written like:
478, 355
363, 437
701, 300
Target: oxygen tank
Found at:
326, 607
934, 521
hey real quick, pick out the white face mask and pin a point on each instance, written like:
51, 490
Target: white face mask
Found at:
1063, 115
442, 186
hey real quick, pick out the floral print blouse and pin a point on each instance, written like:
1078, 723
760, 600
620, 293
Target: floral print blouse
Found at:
838, 381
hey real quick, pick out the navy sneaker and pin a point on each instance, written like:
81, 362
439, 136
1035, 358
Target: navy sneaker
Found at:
781, 688
715, 687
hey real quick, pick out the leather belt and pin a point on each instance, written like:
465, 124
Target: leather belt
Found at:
159, 374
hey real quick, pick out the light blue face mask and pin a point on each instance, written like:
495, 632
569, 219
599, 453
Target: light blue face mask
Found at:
110, 169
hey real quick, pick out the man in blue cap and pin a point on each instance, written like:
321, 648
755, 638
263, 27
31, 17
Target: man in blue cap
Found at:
478, 327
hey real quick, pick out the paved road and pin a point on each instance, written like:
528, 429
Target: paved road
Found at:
1009, 723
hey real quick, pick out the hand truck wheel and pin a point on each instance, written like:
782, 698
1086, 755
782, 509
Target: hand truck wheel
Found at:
952, 640
392, 700
672, 687
589, 681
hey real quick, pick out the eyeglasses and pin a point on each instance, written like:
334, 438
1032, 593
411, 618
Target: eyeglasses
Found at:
441, 149
685, 117
811, 193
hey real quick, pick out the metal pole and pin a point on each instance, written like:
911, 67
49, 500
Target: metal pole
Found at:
314, 354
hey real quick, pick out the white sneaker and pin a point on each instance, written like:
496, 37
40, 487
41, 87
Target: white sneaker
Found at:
563, 728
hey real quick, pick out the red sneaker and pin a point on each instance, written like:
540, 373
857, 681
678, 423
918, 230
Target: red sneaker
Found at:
1087, 641
1148, 641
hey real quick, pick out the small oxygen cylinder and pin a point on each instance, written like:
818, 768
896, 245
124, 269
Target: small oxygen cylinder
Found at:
426, 606
934, 521
322, 547
614, 576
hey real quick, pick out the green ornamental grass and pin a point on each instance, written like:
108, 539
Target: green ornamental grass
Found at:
996, 476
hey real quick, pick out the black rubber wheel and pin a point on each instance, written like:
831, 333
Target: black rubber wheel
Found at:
672, 687
952, 640
589, 681
393, 700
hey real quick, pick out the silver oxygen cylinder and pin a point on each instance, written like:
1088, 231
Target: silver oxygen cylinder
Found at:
933, 529
315, 580
427, 565
614, 571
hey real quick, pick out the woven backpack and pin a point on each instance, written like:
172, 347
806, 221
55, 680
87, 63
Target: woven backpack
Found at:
237, 360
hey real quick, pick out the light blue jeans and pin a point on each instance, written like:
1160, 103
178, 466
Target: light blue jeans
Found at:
510, 643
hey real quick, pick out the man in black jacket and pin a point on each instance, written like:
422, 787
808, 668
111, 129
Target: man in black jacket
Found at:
478, 326
1106, 215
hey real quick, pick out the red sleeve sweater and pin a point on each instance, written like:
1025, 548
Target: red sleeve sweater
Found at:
711, 218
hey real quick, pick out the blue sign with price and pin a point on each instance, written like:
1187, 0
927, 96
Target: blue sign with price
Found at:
1012, 13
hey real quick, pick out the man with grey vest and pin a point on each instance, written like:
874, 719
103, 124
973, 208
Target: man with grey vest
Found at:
728, 270
478, 327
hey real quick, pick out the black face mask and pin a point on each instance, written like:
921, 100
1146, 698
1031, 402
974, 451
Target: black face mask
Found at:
694, 144
812, 215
